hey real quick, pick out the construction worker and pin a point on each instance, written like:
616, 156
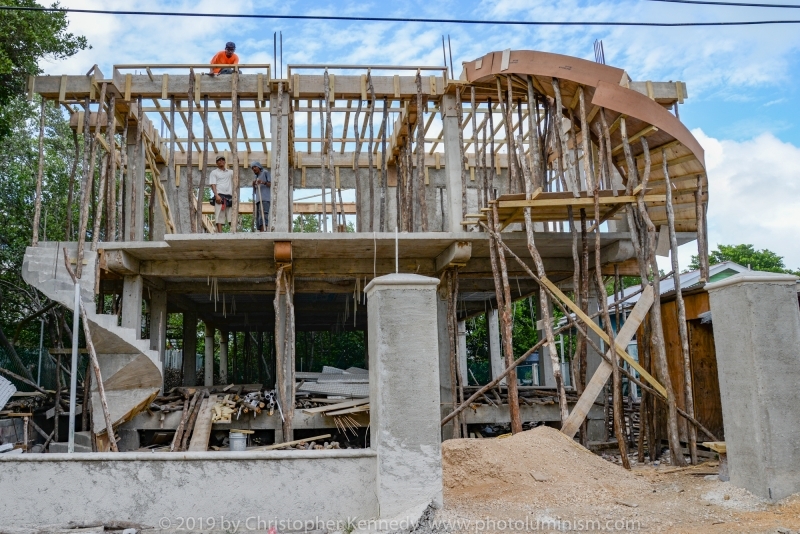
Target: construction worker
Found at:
224, 57
221, 182
262, 195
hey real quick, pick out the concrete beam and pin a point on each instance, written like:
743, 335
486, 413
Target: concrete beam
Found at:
118, 262
456, 255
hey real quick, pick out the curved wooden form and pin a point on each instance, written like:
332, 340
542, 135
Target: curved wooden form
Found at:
607, 88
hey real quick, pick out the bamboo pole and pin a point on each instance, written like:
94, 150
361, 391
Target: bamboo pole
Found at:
93, 358
37, 212
370, 162
235, 148
189, 154
682, 328
423, 201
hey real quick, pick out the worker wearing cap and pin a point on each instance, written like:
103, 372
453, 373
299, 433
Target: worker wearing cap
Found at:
224, 57
221, 182
262, 195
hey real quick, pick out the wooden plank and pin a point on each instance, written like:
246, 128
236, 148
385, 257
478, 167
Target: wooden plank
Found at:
164, 86
603, 372
356, 409
339, 406
558, 202
202, 428
289, 443
600, 332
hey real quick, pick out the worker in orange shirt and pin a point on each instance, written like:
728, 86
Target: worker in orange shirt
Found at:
224, 57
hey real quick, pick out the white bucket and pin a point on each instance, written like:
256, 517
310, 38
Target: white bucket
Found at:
238, 441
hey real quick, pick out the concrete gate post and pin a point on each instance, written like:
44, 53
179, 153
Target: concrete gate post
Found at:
496, 361
756, 323
404, 393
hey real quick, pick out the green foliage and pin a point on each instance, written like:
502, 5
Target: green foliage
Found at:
26, 37
305, 224
758, 260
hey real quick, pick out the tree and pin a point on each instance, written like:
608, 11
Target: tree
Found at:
747, 255
26, 37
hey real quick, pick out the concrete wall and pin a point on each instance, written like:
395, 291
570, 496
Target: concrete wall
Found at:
756, 324
148, 487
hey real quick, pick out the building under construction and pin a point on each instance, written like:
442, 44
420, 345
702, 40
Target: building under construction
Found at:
525, 176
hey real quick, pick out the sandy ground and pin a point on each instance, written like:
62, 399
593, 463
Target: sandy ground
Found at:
541, 481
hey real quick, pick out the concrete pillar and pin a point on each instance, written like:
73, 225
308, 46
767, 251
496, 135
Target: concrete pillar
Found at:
158, 323
190, 348
462, 351
159, 224
756, 324
223, 356
134, 190
593, 359
452, 153
403, 373
132, 304
281, 190
546, 377
208, 360
496, 361
445, 386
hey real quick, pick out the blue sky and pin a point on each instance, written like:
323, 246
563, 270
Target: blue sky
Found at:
742, 81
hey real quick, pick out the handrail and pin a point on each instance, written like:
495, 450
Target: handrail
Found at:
363, 67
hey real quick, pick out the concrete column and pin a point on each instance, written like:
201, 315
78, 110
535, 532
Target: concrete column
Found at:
134, 189
452, 153
546, 377
190, 348
445, 386
132, 304
593, 359
403, 373
281, 190
756, 324
223, 356
496, 361
462, 351
158, 323
208, 360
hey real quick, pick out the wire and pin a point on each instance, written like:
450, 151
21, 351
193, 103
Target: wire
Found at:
737, 4
397, 19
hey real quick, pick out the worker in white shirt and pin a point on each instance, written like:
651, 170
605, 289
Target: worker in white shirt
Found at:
221, 182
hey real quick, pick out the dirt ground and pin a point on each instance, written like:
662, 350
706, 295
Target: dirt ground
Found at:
542, 481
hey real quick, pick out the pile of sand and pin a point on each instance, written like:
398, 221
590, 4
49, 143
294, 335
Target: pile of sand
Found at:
541, 467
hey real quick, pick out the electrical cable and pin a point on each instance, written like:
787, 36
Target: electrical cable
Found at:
735, 4
398, 19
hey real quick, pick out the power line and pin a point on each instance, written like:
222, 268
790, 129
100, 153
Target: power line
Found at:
737, 4
398, 19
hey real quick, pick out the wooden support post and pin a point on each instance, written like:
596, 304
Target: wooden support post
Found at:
329, 149
86, 189
700, 215
111, 197
189, 162
420, 174
37, 212
235, 149
172, 184
384, 172
451, 342
137, 182
370, 163
98, 212
683, 330
93, 358
356, 169
543, 298
204, 162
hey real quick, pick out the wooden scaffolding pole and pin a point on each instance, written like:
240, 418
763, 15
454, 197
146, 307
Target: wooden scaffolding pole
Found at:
357, 169
86, 189
37, 212
370, 162
235, 149
682, 328
189, 160
421, 191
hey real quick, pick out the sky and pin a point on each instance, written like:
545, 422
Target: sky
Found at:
742, 81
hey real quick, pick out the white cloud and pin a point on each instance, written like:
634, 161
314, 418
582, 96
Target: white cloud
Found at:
754, 193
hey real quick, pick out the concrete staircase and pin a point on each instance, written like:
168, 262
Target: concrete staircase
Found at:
131, 371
